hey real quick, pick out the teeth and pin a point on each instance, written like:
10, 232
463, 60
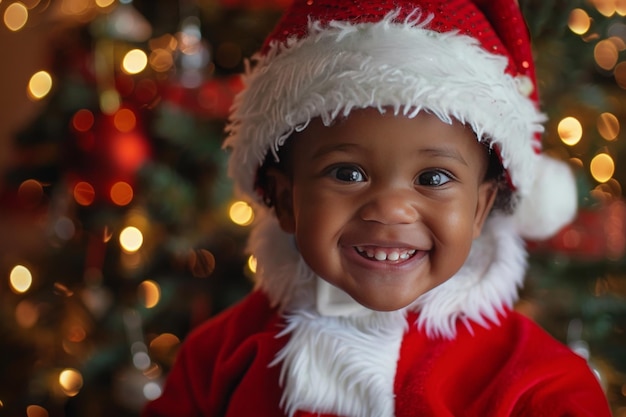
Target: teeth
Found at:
381, 255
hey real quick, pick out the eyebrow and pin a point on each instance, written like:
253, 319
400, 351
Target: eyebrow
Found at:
444, 153
341, 147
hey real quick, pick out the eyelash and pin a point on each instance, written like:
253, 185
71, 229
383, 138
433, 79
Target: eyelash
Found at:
334, 172
433, 173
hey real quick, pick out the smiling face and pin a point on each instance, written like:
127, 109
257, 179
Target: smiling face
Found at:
384, 207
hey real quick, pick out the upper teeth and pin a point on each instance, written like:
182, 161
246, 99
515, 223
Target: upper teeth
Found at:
381, 255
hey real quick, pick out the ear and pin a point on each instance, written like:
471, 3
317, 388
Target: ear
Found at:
487, 192
281, 188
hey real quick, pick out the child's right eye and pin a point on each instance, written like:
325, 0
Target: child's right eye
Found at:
347, 174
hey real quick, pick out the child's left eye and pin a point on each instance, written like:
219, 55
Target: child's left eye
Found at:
347, 174
434, 178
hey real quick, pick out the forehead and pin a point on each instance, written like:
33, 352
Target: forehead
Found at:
369, 127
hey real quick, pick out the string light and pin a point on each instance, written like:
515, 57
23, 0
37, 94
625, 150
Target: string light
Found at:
579, 21
15, 16
149, 293
602, 167
131, 239
241, 213
39, 85
134, 61
20, 279
570, 131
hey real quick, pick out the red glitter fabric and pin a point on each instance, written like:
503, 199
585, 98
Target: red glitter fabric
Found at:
498, 25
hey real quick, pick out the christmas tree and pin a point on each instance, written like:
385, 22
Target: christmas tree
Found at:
120, 232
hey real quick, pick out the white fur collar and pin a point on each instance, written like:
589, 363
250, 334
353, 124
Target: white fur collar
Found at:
332, 337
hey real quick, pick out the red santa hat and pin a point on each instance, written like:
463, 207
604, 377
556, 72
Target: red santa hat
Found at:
457, 59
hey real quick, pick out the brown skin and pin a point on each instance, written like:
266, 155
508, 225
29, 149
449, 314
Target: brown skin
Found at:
410, 192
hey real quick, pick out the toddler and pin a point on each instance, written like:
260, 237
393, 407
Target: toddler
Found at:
392, 151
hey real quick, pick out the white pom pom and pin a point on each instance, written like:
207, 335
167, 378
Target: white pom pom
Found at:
551, 203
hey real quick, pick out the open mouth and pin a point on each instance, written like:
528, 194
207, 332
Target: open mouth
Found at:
385, 254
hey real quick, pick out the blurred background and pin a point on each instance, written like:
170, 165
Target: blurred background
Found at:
118, 229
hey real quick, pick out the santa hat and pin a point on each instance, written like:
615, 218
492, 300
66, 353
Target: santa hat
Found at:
458, 59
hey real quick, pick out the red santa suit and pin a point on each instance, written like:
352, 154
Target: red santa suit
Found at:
261, 358
300, 347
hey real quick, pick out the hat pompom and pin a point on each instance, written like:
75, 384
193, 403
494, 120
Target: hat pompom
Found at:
551, 203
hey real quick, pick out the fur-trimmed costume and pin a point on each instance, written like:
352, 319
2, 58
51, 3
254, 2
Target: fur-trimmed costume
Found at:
298, 346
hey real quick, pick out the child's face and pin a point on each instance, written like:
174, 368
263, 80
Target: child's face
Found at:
385, 207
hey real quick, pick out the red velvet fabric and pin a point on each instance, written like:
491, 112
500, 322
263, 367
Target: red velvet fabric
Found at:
515, 369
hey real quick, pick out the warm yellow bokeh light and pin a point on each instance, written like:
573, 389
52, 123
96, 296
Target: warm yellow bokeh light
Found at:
71, 381
36, 411
608, 126
134, 61
161, 60
579, 21
131, 239
252, 263
606, 54
110, 101
20, 279
15, 16
149, 293
570, 131
104, 3
39, 85
602, 167
241, 213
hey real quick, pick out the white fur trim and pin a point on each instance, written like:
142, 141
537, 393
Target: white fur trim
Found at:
487, 283
343, 66
551, 203
322, 363
336, 365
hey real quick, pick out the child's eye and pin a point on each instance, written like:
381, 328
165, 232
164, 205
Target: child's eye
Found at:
434, 178
347, 174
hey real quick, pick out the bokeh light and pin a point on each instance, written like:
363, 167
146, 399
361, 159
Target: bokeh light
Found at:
131, 239
608, 126
149, 293
83, 120
241, 213
39, 85
134, 61
602, 167
71, 381
570, 130
124, 120
30, 193
64, 228
606, 54
15, 16
579, 21
201, 263
84, 193
104, 3
26, 314
36, 411
20, 279
121, 193
110, 101
161, 60
619, 72
252, 263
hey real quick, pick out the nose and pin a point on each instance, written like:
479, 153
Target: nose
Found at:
391, 207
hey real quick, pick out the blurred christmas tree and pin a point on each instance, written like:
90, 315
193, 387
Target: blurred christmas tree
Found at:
119, 233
